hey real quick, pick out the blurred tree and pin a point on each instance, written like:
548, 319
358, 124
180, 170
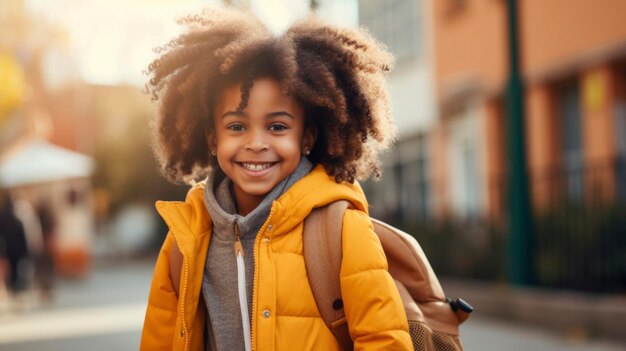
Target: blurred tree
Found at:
12, 83
125, 165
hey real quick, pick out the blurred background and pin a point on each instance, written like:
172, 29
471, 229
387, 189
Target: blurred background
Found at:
510, 168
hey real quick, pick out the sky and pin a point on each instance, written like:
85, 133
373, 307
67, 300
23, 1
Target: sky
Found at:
111, 41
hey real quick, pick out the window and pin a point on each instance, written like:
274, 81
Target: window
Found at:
465, 187
571, 141
387, 205
395, 23
414, 192
402, 196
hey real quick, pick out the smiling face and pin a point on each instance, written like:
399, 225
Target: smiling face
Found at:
260, 146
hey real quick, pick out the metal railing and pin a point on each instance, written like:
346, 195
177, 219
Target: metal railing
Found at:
579, 236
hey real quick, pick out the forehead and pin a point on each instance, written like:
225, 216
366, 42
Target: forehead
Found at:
265, 93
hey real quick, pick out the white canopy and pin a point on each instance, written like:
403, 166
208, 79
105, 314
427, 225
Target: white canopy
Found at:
39, 161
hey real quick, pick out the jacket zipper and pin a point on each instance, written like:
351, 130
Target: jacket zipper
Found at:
183, 293
241, 284
256, 275
186, 265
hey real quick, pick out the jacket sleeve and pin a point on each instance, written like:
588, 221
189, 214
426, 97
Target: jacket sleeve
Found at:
160, 320
374, 310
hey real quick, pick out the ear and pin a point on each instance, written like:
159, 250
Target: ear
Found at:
211, 141
308, 139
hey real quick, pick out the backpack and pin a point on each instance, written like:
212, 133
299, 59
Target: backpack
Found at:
432, 318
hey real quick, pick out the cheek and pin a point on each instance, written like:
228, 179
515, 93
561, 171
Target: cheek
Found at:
292, 143
290, 149
225, 148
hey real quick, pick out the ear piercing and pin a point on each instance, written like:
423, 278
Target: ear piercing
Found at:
307, 152
213, 152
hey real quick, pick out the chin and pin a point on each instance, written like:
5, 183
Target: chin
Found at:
258, 191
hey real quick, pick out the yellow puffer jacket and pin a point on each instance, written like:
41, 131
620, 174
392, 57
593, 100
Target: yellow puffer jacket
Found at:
284, 314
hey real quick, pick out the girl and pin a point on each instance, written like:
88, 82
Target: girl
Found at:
278, 126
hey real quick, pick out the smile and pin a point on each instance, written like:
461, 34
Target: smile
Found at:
257, 167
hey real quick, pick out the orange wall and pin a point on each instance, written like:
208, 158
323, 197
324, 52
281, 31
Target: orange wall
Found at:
556, 31
495, 130
472, 41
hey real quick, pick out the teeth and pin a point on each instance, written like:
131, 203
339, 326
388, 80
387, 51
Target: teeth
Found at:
256, 167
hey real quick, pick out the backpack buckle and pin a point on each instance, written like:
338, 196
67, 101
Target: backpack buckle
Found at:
461, 308
460, 304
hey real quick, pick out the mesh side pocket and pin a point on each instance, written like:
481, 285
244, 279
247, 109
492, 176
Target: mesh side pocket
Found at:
421, 336
425, 339
446, 342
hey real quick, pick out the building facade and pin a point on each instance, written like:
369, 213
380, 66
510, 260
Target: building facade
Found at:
573, 59
404, 26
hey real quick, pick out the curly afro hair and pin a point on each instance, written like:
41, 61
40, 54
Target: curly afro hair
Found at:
338, 75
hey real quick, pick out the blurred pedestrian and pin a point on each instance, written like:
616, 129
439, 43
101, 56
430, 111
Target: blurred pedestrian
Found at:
45, 262
13, 247
37, 221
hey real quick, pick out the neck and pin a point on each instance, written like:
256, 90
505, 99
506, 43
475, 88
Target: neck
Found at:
246, 203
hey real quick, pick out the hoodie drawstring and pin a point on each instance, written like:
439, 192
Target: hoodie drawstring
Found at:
241, 283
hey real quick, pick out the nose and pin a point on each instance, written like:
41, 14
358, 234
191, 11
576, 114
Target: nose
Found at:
257, 142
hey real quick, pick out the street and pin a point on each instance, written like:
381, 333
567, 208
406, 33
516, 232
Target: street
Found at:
105, 312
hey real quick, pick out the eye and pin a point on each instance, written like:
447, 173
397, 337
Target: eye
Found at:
236, 127
277, 127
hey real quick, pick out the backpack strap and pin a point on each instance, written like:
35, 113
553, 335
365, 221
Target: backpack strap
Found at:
322, 258
176, 266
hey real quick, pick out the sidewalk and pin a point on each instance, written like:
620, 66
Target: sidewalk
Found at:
569, 313
106, 310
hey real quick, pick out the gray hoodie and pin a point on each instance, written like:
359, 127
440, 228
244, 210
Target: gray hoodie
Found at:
219, 284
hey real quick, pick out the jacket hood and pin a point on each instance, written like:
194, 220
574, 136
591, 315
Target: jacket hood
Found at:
316, 189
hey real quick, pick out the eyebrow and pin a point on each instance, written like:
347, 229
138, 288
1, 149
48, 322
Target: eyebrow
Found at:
269, 115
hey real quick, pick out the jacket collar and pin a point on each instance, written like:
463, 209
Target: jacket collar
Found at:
189, 216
